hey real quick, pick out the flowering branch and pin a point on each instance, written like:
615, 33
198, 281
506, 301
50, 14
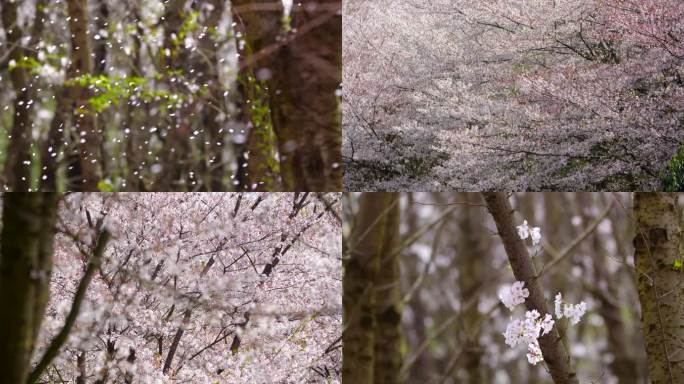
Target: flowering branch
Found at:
53, 349
555, 355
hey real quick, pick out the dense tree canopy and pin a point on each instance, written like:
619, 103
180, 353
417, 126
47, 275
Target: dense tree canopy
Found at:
173, 288
182, 95
515, 95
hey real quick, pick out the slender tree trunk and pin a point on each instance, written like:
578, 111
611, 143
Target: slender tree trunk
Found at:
606, 291
176, 146
471, 278
657, 248
53, 144
86, 172
212, 164
258, 30
358, 300
17, 172
28, 221
306, 105
100, 68
556, 357
387, 337
137, 140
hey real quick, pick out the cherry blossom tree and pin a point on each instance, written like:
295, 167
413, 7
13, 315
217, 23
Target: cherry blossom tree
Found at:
527, 95
150, 288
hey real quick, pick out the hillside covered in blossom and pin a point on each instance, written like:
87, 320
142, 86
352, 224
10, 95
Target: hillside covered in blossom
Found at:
513, 95
171, 288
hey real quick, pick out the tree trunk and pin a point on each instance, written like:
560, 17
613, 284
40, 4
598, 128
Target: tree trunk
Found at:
176, 146
86, 172
358, 299
212, 162
606, 289
257, 30
387, 337
53, 144
28, 221
17, 172
470, 281
657, 248
555, 355
307, 114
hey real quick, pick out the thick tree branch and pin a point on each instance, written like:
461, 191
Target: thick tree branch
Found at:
53, 349
555, 355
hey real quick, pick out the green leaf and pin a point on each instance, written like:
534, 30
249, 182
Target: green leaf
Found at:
105, 186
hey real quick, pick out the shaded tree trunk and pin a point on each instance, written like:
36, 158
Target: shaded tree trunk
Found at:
28, 221
555, 355
176, 146
17, 172
358, 299
137, 140
606, 291
657, 248
86, 164
258, 26
387, 338
471, 279
306, 107
55, 139
212, 164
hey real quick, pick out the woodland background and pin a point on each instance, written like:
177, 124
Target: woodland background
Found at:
170, 288
424, 271
179, 95
535, 95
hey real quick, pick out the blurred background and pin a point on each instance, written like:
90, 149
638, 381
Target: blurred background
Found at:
452, 266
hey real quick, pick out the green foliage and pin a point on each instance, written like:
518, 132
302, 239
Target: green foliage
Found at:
189, 25
105, 186
263, 125
26, 62
673, 177
677, 265
110, 90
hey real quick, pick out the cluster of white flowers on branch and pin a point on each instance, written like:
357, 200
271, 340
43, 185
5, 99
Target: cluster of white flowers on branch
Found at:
534, 233
529, 329
574, 312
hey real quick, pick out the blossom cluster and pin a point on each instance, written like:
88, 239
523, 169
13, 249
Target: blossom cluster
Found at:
534, 233
514, 295
529, 329
572, 312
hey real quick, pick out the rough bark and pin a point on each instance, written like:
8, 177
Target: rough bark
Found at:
358, 299
86, 164
17, 172
657, 246
387, 338
556, 357
307, 115
28, 221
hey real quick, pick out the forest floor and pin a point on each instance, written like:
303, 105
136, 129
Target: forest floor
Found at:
418, 141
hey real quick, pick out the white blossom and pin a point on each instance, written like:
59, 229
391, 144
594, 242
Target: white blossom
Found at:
516, 294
